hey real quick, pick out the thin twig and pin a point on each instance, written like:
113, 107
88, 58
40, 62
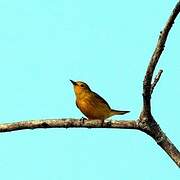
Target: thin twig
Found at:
156, 79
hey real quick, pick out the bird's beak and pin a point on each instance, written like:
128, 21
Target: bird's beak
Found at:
73, 82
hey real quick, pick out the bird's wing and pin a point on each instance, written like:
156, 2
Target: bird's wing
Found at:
101, 100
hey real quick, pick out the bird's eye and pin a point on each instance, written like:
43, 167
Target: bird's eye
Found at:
82, 85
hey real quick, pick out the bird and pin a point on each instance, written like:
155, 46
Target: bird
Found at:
92, 105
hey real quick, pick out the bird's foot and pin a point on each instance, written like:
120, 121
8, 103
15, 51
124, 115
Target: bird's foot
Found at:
82, 120
108, 123
102, 123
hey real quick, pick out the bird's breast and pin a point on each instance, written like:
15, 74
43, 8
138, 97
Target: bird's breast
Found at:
92, 108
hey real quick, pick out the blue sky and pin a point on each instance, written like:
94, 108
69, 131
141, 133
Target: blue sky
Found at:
108, 45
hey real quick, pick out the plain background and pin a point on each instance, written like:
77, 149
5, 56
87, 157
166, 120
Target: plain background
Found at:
108, 45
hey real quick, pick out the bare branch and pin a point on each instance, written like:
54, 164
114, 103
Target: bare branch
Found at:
66, 123
155, 58
76, 123
151, 128
146, 121
170, 149
156, 79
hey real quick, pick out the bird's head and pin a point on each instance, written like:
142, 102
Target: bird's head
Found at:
80, 87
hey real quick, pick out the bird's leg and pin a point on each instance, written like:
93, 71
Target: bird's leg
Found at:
82, 120
102, 123
108, 123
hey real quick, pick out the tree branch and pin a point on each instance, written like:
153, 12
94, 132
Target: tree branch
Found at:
67, 123
146, 121
155, 58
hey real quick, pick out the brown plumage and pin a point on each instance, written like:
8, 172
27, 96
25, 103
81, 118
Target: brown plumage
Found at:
91, 104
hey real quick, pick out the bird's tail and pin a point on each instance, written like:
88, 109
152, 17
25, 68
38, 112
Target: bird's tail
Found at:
117, 112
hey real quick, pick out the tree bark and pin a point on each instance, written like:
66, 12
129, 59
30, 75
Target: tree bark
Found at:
67, 123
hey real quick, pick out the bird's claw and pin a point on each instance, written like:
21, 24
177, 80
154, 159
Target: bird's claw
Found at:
102, 123
82, 120
108, 123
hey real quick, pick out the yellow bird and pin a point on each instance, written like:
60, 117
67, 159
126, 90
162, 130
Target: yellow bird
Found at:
91, 104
